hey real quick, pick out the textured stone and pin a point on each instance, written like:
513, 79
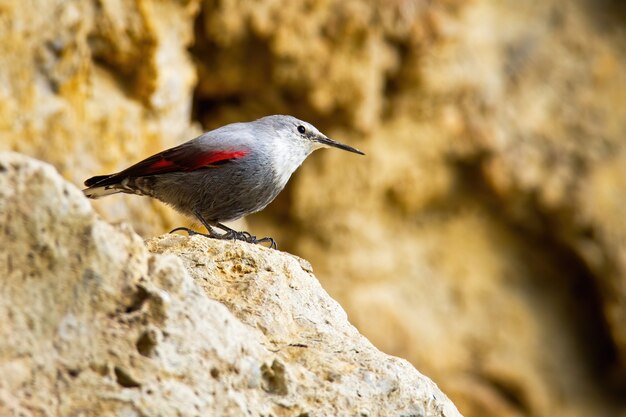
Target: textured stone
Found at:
95, 323
482, 237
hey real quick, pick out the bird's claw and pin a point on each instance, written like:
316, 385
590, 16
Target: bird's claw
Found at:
273, 244
249, 238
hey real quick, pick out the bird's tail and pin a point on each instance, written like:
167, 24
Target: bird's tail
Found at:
100, 191
98, 187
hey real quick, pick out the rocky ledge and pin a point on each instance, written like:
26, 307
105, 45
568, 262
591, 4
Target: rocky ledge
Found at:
95, 321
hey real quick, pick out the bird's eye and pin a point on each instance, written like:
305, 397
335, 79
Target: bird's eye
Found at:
301, 129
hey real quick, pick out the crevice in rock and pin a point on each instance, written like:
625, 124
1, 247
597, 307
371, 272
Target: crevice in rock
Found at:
221, 93
274, 378
146, 343
128, 56
124, 379
512, 394
139, 299
240, 79
577, 284
605, 14
403, 80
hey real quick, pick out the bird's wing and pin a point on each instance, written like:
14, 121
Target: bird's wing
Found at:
183, 158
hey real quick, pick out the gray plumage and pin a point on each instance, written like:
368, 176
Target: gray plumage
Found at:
223, 174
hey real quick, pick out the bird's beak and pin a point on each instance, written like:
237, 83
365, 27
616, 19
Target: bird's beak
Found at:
333, 143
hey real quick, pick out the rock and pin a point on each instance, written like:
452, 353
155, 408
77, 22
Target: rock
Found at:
485, 227
96, 323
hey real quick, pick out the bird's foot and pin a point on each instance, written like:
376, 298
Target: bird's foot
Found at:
230, 235
247, 237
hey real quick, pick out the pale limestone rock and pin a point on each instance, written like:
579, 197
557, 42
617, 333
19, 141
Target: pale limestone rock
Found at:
482, 237
95, 323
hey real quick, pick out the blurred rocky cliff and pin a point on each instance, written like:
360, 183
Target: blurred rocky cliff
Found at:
484, 235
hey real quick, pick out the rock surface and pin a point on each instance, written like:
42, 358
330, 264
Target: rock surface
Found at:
486, 225
95, 323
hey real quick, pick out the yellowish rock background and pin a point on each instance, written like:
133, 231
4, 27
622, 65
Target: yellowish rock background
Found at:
483, 237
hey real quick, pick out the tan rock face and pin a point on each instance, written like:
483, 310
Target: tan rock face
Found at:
482, 237
96, 324
92, 86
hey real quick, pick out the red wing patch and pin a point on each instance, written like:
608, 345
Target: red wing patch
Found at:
175, 161
215, 157
183, 158
163, 163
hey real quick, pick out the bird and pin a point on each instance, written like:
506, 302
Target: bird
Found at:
222, 175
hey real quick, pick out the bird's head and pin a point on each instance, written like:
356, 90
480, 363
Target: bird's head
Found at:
303, 134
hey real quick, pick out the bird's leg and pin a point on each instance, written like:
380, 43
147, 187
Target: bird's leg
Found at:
190, 232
